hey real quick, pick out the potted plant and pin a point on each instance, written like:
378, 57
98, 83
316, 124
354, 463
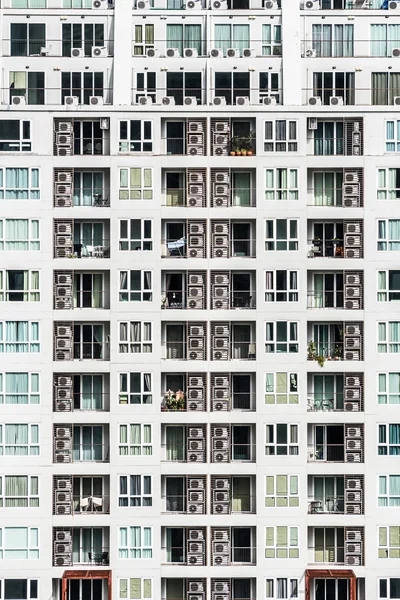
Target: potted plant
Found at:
163, 301
249, 143
234, 146
174, 400
313, 355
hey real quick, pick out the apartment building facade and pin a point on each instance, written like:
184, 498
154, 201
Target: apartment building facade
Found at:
198, 285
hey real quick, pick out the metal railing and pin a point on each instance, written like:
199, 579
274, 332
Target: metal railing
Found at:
325, 196
84, 197
175, 503
90, 505
326, 452
325, 402
243, 197
94, 249
243, 350
326, 505
324, 248
327, 350
175, 350
329, 146
176, 452
173, 299
327, 554
90, 299
243, 401
174, 197
43, 47
325, 299
245, 248
174, 248
246, 502
354, 48
90, 402
242, 299
90, 350
237, 556
96, 555
241, 452
41, 96
243, 555
90, 453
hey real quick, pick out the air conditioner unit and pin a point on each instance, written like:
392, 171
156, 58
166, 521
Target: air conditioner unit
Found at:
145, 101
310, 53
242, 101
221, 495
193, 5
396, 99
168, 101
195, 127
196, 457
194, 380
195, 201
196, 496
77, 53
353, 496
66, 559
394, 6
64, 278
63, 509
63, 303
222, 484
100, 4
353, 509
352, 355
219, 445
196, 586
71, 101
351, 201
219, 101
18, 101
142, 4
315, 100
63, 433
353, 549
197, 560
63, 406
221, 560
195, 509
221, 432
336, 101
353, 304
353, 484
216, 53
221, 456
63, 344
195, 292
311, 5
352, 292
195, 445
219, 5
99, 52
195, 432
64, 127
222, 279
353, 457
63, 496
396, 52
220, 151
221, 126
196, 253
353, 432
220, 393
221, 330
61, 445
353, 536
352, 253
353, 445
351, 407
351, 189
63, 536
64, 380
195, 405
195, 331
195, 303
352, 329
196, 535
351, 381
172, 53
196, 177
60, 549
190, 53
96, 100
220, 405
64, 393
220, 354
221, 343
63, 458
268, 100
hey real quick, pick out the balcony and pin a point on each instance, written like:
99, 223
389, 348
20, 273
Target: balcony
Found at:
183, 137
81, 341
80, 443
78, 136
81, 495
44, 47
328, 401
335, 392
236, 137
84, 392
335, 342
182, 588
335, 239
80, 187
82, 290
81, 239
233, 290
326, 505
75, 546
335, 443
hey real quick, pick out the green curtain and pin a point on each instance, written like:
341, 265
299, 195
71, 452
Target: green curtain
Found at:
175, 37
223, 37
241, 494
193, 37
241, 189
175, 439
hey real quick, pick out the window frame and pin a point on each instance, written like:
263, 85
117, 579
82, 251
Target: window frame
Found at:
278, 193
132, 191
281, 142
271, 345
271, 42
31, 498
32, 191
395, 140
145, 448
385, 446
127, 294
32, 344
126, 143
30, 549
292, 587
386, 393
384, 241
129, 497
275, 546
385, 548
387, 581
126, 243
276, 495
387, 497
276, 394
291, 447
30, 446
384, 192
32, 293
31, 393
289, 243
384, 293
143, 346
144, 397
131, 549
143, 594
24, 141
31, 241
290, 294
82, 90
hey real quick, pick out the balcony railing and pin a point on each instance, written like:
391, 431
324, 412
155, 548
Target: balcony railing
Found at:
41, 96
96, 555
243, 401
84, 402
90, 350
175, 503
86, 197
243, 196
242, 299
325, 299
326, 505
175, 350
91, 299
325, 350
176, 452
238, 555
326, 453
245, 248
327, 554
173, 299
93, 505
243, 350
323, 248
325, 196
90, 453
94, 249
325, 402
241, 453
175, 197
45, 47
173, 248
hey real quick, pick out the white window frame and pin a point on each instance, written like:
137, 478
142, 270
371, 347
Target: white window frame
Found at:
29, 582
387, 581
273, 45
129, 397
384, 242
387, 496
129, 243
384, 192
144, 448
32, 345
273, 346
395, 140
142, 346
32, 243
281, 141
144, 294
33, 396
280, 550
282, 500
290, 294
143, 45
32, 499
130, 550
144, 581
383, 293
127, 146
140, 498
32, 293
384, 395
280, 192
291, 447
32, 550
30, 446
288, 244
386, 445
272, 587
291, 380
332, 46
385, 549
23, 144
385, 343
32, 191
129, 191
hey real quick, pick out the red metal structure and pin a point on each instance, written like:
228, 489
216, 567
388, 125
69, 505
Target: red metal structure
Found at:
332, 574
85, 575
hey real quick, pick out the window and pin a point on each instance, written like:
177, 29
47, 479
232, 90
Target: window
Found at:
19, 543
389, 542
384, 38
88, 137
136, 184
281, 234
19, 234
135, 542
79, 35
19, 336
19, 184
29, 85
389, 588
281, 184
144, 39
135, 490
135, 234
388, 388
135, 136
135, 439
281, 439
281, 388
389, 235
388, 184
269, 86
281, 490
281, 286
135, 286
82, 85
384, 88
389, 337
281, 336
271, 40
389, 439
184, 84
184, 36
280, 136
23, 589
232, 36
135, 337
15, 135
135, 388
78, 3
28, 3
388, 286
135, 589
392, 136
19, 491
281, 588
327, 188
19, 388
329, 138
19, 286
333, 40
146, 85
334, 83
281, 542
27, 40
389, 490
231, 85
19, 440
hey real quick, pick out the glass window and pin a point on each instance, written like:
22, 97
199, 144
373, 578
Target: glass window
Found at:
19, 234
135, 439
333, 40
281, 336
19, 543
19, 184
389, 439
135, 542
135, 234
19, 336
19, 388
281, 286
135, 491
384, 88
19, 286
280, 136
15, 135
281, 491
135, 337
19, 440
392, 130
271, 40
281, 439
389, 235
136, 184
135, 388
389, 589
281, 235
388, 184
82, 85
388, 286
136, 286
281, 184
389, 490
19, 491
281, 542
135, 589
281, 388
388, 337
135, 136
334, 83
389, 542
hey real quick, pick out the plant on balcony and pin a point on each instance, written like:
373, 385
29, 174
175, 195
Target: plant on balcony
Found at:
312, 354
175, 400
163, 301
249, 143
